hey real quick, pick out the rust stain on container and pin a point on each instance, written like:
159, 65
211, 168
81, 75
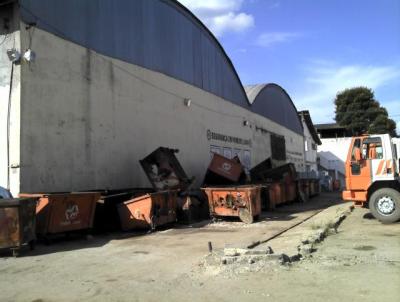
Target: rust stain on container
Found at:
17, 222
148, 211
64, 212
242, 201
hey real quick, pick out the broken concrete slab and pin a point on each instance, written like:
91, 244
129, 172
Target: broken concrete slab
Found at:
233, 252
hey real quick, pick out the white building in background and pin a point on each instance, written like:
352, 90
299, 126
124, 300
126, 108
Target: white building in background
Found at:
311, 143
332, 152
88, 88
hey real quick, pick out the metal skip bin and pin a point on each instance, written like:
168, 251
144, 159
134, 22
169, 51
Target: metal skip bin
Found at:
224, 171
17, 223
64, 212
164, 170
242, 201
148, 211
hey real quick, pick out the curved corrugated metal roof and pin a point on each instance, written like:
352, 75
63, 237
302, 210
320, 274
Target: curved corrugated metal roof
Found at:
273, 102
160, 35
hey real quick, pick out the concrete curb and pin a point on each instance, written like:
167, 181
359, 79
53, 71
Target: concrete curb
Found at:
307, 246
249, 254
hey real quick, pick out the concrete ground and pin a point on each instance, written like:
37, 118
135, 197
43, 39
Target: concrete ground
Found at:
361, 262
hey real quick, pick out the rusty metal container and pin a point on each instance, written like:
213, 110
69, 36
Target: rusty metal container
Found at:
17, 223
224, 171
261, 173
314, 187
106, 216
277, 195
336, 185
291, 191
164, 170
241, 201
304, 186
64, 212
148, 211
192, 207
257, 173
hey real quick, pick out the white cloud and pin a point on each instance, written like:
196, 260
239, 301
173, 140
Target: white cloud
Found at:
272, 38
221, 16
325, 79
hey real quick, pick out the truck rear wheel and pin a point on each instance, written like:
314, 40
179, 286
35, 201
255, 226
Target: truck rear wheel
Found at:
384, 204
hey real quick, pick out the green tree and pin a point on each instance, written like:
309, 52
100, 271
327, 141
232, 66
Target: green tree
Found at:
359, 112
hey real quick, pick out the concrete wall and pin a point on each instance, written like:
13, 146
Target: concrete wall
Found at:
9, 100
88, 119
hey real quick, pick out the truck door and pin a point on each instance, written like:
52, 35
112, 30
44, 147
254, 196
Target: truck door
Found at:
382, 163
358, 166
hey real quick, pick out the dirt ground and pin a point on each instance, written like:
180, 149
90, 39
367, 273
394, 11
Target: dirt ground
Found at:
361, 262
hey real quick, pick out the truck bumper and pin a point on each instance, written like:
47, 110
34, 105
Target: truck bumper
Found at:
359, 196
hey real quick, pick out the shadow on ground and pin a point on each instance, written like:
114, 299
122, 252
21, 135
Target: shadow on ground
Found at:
76, 241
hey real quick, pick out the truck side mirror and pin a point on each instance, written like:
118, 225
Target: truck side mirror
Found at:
357, 154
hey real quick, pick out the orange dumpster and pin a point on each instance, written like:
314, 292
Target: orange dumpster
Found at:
291, 189
224, 171
276, 195
242, 201
64, 212
148, 211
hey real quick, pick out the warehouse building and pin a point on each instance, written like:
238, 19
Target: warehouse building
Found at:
311, 141
88, 88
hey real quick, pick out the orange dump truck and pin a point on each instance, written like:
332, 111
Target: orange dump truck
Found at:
372, 176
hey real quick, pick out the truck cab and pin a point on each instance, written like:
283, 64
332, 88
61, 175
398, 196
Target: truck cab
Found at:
372, 176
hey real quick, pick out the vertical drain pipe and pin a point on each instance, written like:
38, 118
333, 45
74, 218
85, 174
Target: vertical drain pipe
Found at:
9, 126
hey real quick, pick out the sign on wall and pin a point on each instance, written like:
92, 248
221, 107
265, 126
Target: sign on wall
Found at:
227, 138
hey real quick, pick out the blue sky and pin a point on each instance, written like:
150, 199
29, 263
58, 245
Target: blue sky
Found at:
312, 48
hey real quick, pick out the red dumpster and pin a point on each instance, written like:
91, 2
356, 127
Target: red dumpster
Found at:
242, 201
224, 171
291, 191
64, 212
106, 217
148, 211
277, 195
17, 223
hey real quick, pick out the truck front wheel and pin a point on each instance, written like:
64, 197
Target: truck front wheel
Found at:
384, 204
